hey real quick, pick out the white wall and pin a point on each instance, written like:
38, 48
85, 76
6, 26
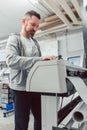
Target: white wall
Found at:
75, 42
70, 45
49, 46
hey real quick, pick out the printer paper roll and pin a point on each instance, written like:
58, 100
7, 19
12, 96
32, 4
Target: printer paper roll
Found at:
80, 87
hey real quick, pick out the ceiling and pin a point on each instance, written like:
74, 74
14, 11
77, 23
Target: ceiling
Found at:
56, 15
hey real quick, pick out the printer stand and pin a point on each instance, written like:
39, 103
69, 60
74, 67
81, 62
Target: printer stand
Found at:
49, 108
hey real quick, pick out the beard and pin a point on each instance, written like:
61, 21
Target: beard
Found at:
30, 33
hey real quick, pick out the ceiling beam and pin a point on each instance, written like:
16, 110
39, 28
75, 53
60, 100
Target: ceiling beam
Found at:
51, 18
50, 30
77, 6
55, 17
47, 25
55, 29
68, 10
58, 12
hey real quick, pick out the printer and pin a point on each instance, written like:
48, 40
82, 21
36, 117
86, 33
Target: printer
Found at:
55, 79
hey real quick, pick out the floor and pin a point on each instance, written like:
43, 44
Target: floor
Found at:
7, 123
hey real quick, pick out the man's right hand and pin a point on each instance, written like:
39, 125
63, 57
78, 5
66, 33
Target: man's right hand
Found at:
52, 57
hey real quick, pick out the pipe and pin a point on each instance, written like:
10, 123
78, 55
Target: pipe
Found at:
80, 114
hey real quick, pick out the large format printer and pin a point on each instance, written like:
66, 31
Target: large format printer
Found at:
55, 79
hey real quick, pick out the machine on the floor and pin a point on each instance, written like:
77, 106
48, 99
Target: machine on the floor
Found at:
55, 80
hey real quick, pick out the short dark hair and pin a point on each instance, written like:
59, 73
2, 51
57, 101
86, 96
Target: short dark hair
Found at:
32, 13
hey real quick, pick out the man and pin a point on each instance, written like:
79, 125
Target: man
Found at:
22, 52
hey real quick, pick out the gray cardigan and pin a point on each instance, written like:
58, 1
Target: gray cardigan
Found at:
19, 62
